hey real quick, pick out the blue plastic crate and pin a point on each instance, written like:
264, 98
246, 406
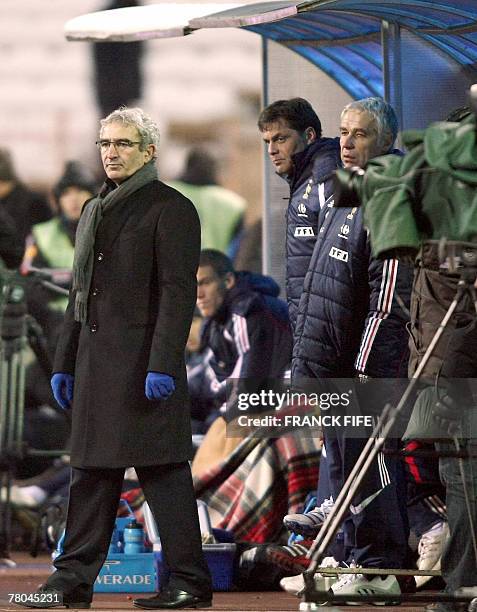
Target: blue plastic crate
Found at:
122, 573
220, 559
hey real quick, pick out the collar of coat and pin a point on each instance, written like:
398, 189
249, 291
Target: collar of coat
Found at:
322, 155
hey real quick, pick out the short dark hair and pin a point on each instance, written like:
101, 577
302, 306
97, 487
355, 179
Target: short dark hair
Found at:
218, 261
298, 113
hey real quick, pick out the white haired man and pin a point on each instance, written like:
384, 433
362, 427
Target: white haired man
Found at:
350, 325
120, 367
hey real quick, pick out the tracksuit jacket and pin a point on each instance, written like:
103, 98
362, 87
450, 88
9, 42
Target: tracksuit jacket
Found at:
248, 338
311, 186
349, 319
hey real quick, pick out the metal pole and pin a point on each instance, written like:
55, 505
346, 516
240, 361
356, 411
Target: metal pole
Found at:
266, 209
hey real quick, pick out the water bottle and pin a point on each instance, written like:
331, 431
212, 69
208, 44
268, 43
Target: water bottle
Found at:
114, 546
59, 547
205, 524
133, 538
151, 528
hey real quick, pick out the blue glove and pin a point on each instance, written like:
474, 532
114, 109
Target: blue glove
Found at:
62, 387
159, 386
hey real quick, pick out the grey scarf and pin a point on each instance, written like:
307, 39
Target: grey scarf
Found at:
86, 233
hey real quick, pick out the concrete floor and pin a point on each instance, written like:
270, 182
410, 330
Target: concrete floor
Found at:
29, 573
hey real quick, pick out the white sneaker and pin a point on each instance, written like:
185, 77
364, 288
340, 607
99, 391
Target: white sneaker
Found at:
358, 584
296, 584
293, 584
430, 549
310, 523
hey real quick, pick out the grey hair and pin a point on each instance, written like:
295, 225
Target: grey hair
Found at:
136, 117
382, 113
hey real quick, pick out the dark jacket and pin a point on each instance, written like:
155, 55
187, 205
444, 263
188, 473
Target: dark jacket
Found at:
310, 187
249, 338
141, 301
349, 319
26, 208
11, 245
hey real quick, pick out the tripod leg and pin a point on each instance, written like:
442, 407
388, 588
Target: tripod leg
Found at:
467, 500
12, 377
5, 520
12, 400
3, 401
20, 404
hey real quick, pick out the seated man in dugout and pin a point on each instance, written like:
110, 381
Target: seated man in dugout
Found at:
246, 335
247, 481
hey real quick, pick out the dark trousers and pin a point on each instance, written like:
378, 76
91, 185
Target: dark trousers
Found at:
324, 487
425, 492
324, 491
459, 563
376, 528
93, 503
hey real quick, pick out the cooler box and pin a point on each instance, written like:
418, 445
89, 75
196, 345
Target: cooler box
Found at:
123, 573
220, 559
126, 573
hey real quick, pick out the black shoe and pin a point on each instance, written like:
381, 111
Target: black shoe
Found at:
49, 597
172, 599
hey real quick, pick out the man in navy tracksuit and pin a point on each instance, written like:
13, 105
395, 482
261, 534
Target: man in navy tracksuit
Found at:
246, 335
349, 325
300, 154
292, 132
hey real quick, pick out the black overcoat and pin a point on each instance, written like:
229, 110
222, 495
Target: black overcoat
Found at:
141, 302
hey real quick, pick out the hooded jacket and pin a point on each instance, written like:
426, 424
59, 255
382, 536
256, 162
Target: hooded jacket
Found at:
311, 187
428, 194
248, 338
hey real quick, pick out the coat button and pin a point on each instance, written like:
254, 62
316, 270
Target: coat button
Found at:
95, 291
93, 328
100, 256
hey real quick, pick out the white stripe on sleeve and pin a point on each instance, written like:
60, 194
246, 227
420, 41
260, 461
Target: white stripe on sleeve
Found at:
385, 300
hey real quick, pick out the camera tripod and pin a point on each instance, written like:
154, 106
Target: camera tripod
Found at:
18, 330
465, 264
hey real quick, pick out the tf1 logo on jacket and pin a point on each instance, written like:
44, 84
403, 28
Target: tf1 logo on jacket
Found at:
338, 254
304, 232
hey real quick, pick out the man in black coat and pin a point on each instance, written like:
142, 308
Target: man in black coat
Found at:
120, 366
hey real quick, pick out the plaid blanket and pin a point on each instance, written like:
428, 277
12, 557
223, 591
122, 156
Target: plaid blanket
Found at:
262, 480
